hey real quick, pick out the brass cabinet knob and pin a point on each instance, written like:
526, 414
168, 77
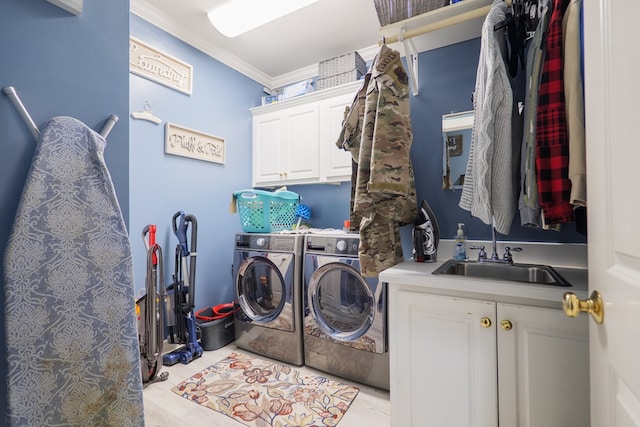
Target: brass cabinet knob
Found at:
506, 325
573, 306
485, 322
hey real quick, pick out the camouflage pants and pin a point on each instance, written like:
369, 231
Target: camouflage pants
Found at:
380, 245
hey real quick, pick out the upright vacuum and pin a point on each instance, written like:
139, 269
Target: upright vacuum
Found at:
180, 296
150, 312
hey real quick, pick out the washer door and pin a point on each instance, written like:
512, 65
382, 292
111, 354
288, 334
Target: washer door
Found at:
262, 293
341, 301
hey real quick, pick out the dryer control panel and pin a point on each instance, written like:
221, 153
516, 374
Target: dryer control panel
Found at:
339, 244
284, 243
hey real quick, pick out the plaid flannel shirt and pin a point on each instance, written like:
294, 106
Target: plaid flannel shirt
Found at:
552, 142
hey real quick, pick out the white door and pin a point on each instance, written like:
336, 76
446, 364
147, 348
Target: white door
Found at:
612, 90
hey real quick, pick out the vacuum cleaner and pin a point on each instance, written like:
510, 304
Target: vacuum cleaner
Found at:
180, 295
149, 312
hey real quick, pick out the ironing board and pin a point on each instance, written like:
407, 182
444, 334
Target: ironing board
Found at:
72, 346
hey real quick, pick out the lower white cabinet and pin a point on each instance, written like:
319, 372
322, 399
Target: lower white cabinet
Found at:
467, 362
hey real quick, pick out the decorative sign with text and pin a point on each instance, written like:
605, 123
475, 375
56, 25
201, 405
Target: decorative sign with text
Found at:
152, 64
184, 142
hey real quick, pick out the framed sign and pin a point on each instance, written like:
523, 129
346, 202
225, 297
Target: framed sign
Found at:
159, 67
181, 141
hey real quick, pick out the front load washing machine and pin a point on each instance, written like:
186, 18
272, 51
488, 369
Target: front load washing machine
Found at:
268, 295
345, 314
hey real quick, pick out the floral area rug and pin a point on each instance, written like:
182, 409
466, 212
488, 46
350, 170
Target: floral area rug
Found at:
261, 393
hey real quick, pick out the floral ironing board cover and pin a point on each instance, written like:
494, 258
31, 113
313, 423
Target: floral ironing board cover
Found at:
72, 345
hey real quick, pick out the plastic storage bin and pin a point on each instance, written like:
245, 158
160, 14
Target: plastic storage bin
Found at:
216, 326
391, 11
263, 211
342, 64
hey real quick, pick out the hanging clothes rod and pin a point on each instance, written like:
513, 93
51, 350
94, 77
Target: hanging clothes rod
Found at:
444, 17
435, 26
10, 91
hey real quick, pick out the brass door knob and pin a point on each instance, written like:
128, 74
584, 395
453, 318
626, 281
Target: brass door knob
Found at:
506, 325
573, 306
485, 322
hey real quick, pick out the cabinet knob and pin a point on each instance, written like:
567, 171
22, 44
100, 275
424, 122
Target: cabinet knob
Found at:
485, 322
506, 325
573, 306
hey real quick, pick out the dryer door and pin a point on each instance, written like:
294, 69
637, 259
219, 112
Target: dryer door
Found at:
347, 307
263, 289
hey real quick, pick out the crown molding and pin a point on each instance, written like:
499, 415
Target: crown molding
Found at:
161, 20
311, 71
164, 22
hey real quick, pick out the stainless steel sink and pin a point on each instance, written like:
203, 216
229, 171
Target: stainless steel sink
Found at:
528, 273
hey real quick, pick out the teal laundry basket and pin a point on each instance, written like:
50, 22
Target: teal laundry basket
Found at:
264, 211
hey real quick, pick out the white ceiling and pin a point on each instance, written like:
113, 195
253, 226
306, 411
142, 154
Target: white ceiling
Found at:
278, 53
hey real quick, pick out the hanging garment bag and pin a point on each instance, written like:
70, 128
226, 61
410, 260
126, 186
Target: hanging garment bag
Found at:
72, 345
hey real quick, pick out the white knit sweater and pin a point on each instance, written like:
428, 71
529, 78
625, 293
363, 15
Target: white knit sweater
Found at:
489, 190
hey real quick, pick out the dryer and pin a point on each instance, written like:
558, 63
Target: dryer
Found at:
268, 295
345, 314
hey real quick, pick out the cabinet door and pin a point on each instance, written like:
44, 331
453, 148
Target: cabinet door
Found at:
300, 153
336, 163
267, 143
543, 370
443, 361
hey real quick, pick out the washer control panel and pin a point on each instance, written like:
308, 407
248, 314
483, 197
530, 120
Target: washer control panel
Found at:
339, 245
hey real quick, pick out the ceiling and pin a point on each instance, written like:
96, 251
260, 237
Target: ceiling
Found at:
278, 53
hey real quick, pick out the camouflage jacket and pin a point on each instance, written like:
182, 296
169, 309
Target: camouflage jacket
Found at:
377, 132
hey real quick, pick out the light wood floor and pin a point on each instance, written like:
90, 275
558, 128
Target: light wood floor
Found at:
162, 407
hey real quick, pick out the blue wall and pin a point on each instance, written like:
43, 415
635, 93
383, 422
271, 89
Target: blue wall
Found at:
447, 79
78, 66
60, 64
162, 184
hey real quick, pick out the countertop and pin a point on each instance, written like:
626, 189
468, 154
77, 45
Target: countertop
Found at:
416, 276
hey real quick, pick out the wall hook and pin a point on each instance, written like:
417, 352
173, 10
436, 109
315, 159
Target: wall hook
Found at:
146, 114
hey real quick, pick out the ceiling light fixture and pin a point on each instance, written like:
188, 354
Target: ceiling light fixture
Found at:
236, 17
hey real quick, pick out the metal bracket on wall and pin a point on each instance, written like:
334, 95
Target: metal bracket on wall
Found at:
412, 61
71, 6
11, 92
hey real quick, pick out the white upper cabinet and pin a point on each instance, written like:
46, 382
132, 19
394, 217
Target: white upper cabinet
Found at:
285, 146
294, 140
335, 162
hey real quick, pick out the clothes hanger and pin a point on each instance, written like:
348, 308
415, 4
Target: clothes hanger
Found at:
515, 23
146, 114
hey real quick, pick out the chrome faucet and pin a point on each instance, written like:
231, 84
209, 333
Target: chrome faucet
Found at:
494, 253
507, 258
